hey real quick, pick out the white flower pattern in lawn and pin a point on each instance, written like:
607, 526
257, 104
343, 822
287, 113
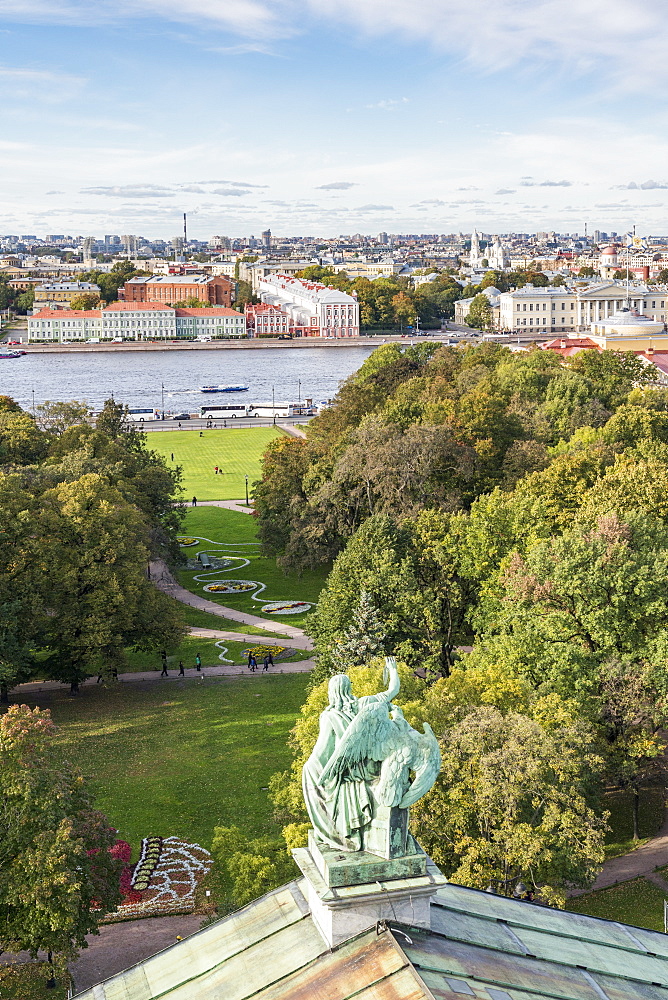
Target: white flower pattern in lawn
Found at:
175, 877
214, 582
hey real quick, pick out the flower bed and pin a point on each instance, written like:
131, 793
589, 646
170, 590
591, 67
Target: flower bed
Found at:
164, 880
286, 607
185, 541
230, 587
261, 651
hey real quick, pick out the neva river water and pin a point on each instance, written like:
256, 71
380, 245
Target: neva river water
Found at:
136, 378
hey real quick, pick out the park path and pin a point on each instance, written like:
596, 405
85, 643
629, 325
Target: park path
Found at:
636, 864
218, 670
164, 581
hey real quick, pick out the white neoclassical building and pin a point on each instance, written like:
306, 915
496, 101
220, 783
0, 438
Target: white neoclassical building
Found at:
315, 310
574, 308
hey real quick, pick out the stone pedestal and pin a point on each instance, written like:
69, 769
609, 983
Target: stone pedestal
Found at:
348, 893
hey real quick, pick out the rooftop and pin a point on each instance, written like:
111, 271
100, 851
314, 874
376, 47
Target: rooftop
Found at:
480, 945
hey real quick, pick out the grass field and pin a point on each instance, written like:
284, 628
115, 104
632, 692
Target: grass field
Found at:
236, 452
638, 902
235, 534
180, 757
202, 619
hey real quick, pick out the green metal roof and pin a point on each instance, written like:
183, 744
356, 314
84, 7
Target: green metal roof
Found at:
480, 945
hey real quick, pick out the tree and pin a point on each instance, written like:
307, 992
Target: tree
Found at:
365, 636
98, 598
404, 313
24, 301
620, 275
612, 374
57, 877
662, 276
85, 300
245, 869
587, 271
480, 313
590, 596
558, 281
512, 805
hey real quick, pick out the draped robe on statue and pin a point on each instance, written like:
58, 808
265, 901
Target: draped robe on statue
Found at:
343, 806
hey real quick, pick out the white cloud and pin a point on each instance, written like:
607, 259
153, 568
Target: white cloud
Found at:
375, 208
505, 191
388, 104
131, 191
336, 186
645, 186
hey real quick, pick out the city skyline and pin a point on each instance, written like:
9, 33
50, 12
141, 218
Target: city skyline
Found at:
328, 119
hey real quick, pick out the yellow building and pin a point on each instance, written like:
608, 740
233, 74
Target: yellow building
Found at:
628, 330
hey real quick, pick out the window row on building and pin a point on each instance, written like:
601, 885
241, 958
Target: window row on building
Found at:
135, 321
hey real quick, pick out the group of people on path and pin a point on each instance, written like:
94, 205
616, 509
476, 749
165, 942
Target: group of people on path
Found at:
267, 662
182, 669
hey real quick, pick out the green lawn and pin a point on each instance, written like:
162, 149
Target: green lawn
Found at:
230, 533
202, 619
236, 452
28, 982
638, 902
180, 757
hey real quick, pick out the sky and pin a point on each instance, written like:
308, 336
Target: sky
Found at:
329, 117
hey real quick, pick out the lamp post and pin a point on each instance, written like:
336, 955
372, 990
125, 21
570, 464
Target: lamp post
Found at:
33, 402
246, 478
299, 397
273, 402
162, 395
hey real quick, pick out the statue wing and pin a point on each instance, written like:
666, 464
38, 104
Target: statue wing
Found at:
425, 763
370, 736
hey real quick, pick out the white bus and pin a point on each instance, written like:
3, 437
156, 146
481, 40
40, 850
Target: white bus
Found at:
140, 414
305, 409
223, 411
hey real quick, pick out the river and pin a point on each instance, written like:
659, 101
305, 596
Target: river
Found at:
136, 379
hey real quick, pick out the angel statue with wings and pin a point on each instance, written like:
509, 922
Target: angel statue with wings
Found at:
367, 761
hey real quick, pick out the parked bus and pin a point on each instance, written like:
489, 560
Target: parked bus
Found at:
270, 410
140, 414
223, 411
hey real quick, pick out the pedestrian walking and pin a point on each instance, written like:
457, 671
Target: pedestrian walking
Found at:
198, 662
194, 501
179, 425
201, 434
173, 452
265, 662
114, 673
216, 470
252, 663
164, 673
100, 678
270, 658
182, 671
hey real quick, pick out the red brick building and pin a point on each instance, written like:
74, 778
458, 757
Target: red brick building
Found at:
170, 288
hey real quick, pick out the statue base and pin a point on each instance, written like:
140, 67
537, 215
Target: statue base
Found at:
390, 893
339, 868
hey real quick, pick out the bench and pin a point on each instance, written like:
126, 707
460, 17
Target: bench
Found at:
204, 560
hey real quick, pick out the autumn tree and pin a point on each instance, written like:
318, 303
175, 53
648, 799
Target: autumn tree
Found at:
512, 805
57, 877
480, 313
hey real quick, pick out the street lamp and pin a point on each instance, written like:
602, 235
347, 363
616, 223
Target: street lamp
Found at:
246, 478
299, 397
162, 394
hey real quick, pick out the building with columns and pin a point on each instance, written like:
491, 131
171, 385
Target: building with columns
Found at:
574, 308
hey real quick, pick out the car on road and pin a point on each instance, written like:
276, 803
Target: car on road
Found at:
181, 416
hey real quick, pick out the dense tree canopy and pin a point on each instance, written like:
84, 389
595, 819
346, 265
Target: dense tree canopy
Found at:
82, 510
511, 504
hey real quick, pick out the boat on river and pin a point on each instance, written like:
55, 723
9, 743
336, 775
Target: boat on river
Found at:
223, 388
6, 355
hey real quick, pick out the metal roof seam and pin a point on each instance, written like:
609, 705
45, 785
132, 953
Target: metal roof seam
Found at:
592, 982
553, 961
546, 930
542, 993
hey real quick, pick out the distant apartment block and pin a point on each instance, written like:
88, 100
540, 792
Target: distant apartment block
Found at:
315, 310
59, 294
135, 321
170, 288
